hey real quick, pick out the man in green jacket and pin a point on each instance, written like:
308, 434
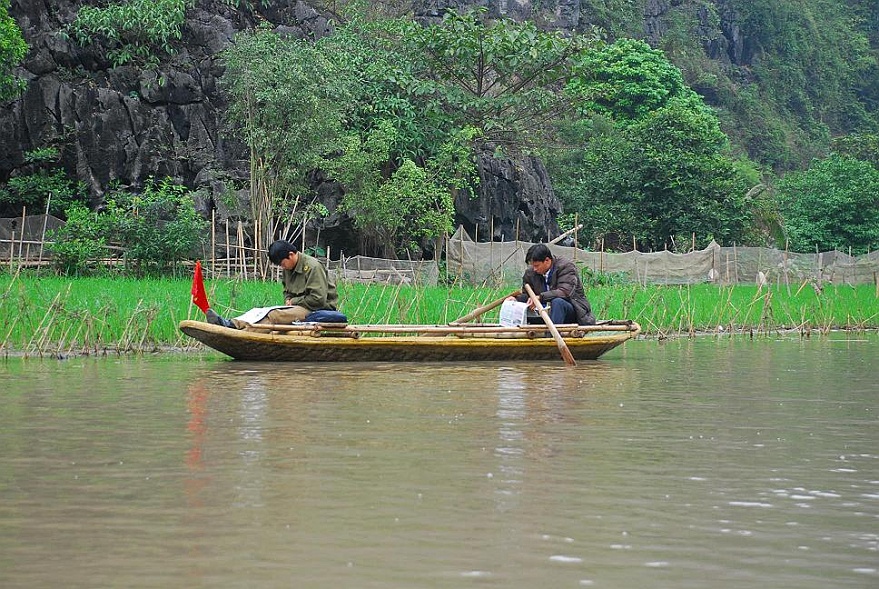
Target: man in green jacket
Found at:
308, 288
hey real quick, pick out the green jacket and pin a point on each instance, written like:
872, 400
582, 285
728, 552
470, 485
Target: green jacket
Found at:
309, 285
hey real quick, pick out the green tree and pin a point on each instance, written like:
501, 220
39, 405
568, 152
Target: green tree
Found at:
385, 92
652, 162
13, 48
500, 77
689, 183
414, 203
859, 146
832, 205
288, 101
658, 181
627, 81
393, 136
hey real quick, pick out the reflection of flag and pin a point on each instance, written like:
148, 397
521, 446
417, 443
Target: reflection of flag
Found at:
198, 294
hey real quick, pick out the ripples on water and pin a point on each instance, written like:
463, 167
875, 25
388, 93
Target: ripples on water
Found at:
716, 463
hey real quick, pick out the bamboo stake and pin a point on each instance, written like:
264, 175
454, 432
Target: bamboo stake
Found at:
228, 252
242, 254
491, 247
446, 240
565, 234
213, 241
484, 309
43, 237
21, 241
304, 219
735, 263
461, 275
450, 329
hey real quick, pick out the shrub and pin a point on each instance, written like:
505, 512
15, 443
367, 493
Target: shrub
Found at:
133, 30
13, 48
80, 243
156, 227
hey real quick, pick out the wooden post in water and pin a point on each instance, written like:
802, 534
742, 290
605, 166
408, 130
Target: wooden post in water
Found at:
735, 263
43, 236
491, 248
213, 241
228, 251
446, 240
21, 241
461, 274
304, 218
242, 255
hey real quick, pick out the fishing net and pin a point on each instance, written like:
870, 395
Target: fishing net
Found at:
500, 263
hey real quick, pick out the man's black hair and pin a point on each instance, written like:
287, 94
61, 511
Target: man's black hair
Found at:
538, 253
280, 250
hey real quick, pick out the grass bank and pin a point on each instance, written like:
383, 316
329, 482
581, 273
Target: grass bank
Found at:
58, 316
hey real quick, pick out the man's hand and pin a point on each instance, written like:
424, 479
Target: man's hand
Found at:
288, 302
529, 301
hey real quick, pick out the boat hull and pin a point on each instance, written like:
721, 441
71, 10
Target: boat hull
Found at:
277, 347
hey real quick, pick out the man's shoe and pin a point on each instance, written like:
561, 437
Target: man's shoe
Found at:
214, 319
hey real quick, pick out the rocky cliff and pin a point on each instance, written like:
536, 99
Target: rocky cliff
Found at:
122, 125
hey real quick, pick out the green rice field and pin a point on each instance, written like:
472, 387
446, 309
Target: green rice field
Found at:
60, 316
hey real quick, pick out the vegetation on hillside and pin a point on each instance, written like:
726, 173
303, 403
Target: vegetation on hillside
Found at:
645, 157
657, 143
12, 50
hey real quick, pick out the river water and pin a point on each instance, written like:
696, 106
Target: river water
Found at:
689, 463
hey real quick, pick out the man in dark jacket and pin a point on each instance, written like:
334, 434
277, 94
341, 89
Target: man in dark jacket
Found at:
556, 281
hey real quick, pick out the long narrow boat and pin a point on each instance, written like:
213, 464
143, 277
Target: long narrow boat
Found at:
337, 342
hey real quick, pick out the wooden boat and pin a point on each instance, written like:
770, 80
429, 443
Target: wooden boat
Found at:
338, 342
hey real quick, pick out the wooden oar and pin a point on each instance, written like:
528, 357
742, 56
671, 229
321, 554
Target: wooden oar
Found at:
560, 342
484, 309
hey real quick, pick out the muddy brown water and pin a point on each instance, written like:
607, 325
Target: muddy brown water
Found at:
691, 463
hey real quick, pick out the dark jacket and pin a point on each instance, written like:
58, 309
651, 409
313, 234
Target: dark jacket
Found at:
564, 282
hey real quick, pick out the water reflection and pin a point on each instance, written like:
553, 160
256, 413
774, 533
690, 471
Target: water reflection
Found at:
254, 405
511, 414
751, 462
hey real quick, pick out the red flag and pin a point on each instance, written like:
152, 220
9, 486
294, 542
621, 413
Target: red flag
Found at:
199, 297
